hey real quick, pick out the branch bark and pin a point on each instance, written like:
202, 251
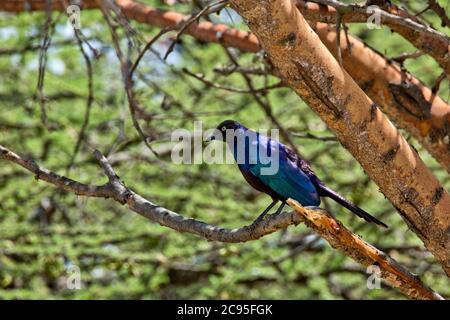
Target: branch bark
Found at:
320, 220
405, 99
116, 190
306, 65
408, 102
205, 30
362, 252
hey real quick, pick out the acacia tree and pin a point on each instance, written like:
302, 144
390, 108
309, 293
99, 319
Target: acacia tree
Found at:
355, 90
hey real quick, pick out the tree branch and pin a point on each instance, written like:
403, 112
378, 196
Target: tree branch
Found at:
434, 5
64, 183
116, 190
423, 37
364, 253
318, 219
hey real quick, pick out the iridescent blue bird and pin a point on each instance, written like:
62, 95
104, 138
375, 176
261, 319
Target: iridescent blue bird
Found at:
273, 168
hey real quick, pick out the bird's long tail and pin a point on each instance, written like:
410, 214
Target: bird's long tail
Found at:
327, 192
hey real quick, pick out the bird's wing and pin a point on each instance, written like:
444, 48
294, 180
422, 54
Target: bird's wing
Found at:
324, 191
289, 181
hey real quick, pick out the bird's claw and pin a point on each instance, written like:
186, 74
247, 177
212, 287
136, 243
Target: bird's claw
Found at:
259, 219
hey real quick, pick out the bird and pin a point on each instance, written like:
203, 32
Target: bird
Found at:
292, 177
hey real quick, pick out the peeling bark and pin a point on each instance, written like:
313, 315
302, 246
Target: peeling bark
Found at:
364, 253
306, 65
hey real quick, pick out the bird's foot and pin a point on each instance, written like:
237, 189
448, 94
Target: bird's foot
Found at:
280, 209
264, 213
260, 218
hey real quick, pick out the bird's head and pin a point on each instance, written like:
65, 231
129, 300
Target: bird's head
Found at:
221, 130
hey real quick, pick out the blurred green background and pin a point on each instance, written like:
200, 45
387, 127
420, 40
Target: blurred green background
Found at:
45, 233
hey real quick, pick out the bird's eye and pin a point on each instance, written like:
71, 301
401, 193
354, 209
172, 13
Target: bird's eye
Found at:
223, 128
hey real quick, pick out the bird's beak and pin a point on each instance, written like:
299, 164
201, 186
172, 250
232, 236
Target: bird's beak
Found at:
210, 139
215, 135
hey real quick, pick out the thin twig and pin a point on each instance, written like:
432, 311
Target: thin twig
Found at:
408, 55
226, 71
338, 36
147, 47
89, 99
128, 81
347, 38
46, 41
201, 77
264, 106
206, 10
438, 82
311, 136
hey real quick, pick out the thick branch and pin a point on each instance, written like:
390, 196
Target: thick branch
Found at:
318, 219
425, 38
402, 97
405, 99
205, 31
362, 252
306, 65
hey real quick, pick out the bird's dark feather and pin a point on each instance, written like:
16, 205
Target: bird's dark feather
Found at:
294, 179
